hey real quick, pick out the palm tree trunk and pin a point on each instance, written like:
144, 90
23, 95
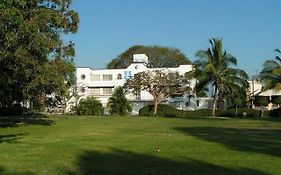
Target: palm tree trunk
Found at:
214, 102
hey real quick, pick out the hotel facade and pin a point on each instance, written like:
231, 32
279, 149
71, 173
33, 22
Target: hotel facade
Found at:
101, 83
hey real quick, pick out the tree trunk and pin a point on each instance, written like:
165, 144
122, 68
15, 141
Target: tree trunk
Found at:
236, 110
214, 102
155, 102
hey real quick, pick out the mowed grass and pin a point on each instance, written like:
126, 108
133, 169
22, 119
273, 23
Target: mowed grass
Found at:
128, 145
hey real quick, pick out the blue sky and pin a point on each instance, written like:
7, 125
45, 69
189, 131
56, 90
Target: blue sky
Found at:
251, 29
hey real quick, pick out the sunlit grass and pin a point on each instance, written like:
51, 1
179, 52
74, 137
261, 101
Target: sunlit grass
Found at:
128, 145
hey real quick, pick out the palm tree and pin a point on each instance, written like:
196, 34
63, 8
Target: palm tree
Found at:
118, 103
214, 68
271, 73
89, 106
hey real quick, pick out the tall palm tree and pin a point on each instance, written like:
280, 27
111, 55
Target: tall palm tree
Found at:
271, 73
214, 68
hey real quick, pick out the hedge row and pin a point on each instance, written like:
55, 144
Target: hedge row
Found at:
170, 111
241, 112
273, 113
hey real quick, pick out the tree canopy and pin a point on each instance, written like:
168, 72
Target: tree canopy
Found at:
34, 60
159, 84
214, 68
271, 73
158, 57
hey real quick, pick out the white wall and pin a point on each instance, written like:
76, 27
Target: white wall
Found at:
134, 68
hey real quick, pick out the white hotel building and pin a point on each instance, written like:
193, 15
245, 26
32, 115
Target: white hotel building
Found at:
101, 83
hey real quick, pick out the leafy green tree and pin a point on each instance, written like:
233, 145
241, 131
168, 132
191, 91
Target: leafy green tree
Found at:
34, 60
158, 57
271, 73
159, 84
118, 103
213, 68
89, 106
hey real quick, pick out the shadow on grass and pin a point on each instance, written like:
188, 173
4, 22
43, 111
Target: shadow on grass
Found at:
3, 171
11, 138
32, 119
266, 141
122, 162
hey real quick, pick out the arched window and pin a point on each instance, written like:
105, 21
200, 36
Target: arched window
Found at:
119, 77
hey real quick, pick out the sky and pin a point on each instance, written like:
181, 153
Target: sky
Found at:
250, 29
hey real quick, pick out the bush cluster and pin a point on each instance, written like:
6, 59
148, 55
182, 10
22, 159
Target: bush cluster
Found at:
163, 111
241, 112
273, 113
89, 106
170, 111
13, 110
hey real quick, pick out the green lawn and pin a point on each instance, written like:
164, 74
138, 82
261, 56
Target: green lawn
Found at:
128, 145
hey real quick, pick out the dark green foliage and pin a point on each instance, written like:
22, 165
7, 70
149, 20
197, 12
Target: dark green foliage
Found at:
261, 100
34, 60
200, 113
247, 111
158, 57
276, 99
12, 110
163, 111
89, 106
170, 111
273, 113
118, 103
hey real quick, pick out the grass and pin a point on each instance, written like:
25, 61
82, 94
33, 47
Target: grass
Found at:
31, 145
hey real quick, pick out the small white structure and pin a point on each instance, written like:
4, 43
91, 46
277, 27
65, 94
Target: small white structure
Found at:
255, 89
101, 83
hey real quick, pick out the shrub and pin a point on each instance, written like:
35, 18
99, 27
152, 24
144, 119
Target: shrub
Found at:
170, 111
273, 113
248, 111
13, 110
89, 106
163, 111
200, 113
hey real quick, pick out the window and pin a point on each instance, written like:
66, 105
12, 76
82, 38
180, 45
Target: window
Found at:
107, 91
95, 91
138, 95
95, 77
119, 77
107, 77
